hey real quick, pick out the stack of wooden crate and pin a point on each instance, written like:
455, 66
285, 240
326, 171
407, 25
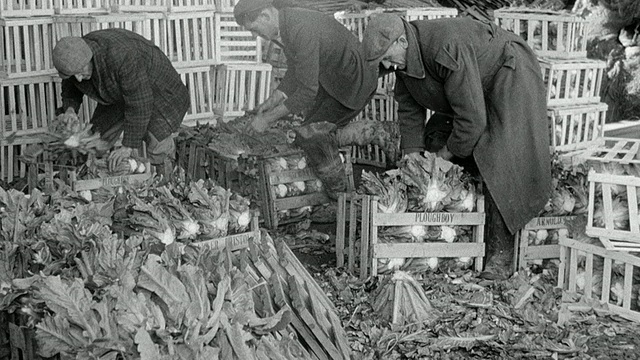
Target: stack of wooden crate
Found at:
575, 114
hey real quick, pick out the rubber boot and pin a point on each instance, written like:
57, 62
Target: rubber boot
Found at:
499, 244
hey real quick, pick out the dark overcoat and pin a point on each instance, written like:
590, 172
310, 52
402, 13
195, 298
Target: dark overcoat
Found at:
321, 52
133, 82
490, 81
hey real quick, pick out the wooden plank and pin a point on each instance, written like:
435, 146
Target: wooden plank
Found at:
426, 218
425, 250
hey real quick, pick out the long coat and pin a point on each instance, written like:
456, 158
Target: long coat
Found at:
133, 82
490, 81
321, 52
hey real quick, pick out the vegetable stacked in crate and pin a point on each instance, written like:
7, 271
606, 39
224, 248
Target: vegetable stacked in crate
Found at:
537, 242
426, 215
575, 113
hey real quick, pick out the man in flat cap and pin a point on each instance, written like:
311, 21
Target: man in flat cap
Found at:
327, 77
139, 93
489, 81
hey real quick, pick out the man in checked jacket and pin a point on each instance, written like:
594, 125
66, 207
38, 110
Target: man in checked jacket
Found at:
139, 93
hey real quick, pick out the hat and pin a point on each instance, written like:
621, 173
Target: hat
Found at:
70, 56
381, 31
243, 7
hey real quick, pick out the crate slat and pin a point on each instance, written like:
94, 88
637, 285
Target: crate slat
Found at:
572, 81
16, 8
549, 33
139, 5
597, 264
81, 7
11, 167
240, 87
526, 253
26, 47
200, 84
190, 38
191, 5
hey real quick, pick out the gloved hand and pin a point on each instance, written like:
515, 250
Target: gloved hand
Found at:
445, 153
119, 155
274, 100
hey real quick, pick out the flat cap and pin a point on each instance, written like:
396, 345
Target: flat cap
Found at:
70, 55
244, 7
381, 31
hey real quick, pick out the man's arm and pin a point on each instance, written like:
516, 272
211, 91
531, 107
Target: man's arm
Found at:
411, 118
71, 96
138, 101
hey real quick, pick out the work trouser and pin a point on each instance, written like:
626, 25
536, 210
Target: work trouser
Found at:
157, 151
326, 108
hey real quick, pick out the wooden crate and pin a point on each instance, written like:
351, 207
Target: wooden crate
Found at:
526, 253
47, 171
201, 99
26, 46
625, 152
234, 44
81, 7
573, 81
270, 204
603, 188
576, 127
549, 33
200, 162
240, 87
226, 5
592, 271
139, 5
191, 38
355, 21
87, 107
473, 249
353, 209
191, 5
17, 8
11, 168
429, 13
363, 209
29, 105
233, 242
381, 108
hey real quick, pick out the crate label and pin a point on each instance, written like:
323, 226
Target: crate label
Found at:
115, 181
551, 221
236, 242
291, 176
447, 218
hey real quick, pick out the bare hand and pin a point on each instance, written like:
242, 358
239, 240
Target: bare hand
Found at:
445, 153
119, 155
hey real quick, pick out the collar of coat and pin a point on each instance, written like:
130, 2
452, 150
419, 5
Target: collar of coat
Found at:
97, 59
414, 64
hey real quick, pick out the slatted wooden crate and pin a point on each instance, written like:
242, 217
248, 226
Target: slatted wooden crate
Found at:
240, 87
191, 38
572, 81
81, 7
11, 168
551, 228
623, 191
191, 5
28, 105
26, 46
200, 162
153, 26
271, 205
362, 209
355, 21
42, 174
549, 33
225, 5
139, 5
17, 8
624, 152
576, 127
380, 108
234, 44
599, 274
199, 81
233, 242
429, 13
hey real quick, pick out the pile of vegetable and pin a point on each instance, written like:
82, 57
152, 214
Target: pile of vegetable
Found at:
423, 183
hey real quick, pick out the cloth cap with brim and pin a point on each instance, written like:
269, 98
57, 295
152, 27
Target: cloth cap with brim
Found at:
70, 56
244, 7
381, 31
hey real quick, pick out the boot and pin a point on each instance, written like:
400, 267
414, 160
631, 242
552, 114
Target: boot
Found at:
499, 244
